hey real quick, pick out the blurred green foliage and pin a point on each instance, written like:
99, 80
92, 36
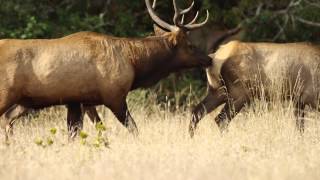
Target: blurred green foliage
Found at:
275, 20
56, 18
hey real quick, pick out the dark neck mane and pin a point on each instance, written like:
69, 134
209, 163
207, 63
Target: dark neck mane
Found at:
151, 57
158, 64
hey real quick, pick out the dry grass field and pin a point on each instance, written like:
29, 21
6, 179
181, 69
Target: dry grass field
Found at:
261, 143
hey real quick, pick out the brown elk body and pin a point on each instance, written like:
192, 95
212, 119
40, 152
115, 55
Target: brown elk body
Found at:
241, 71
92, 69
17, 111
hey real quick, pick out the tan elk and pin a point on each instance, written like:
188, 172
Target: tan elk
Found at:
93, 69
242, 70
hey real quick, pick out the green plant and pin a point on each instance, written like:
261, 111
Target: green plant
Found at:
53, 131
38, 142
49, 140
83, 135
101, 139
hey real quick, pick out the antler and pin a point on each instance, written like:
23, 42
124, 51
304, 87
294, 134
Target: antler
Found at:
157, 20
154, 4
178, 13
191, 26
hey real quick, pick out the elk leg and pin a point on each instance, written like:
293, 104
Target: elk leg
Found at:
16, 111
6, 123
229, 111
13, 113
74, 119
7, 99
299, 114
207, 105
92, 113
222, 116
123, 115
306, 98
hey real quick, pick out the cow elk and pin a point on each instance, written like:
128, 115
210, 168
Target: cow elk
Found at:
243, 71
93, 69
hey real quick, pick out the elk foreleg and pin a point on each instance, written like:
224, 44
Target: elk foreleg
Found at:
207, 105
123, 115
74, 119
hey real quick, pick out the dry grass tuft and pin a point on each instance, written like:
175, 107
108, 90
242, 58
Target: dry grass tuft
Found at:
261, 143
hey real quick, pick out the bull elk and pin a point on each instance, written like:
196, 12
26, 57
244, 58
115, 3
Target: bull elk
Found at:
242, 70
93, 69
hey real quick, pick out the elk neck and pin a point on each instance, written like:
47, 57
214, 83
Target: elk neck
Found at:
154, 60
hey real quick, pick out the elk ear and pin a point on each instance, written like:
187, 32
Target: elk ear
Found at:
158, 31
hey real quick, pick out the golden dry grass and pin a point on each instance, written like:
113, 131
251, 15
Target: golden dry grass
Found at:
260, 144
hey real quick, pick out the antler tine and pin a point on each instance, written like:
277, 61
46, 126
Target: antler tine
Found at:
182, 20
157, 20
176, 13
184, 11
196, 26
154, 4
194, 19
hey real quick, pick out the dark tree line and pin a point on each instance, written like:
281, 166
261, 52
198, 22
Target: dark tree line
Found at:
267, 20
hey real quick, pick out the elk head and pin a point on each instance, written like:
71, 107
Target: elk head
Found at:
186, 55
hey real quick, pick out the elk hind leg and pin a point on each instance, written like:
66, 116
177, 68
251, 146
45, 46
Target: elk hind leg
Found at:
299, 113
306, 98
207, 105
14, 112
7, 99
229, 111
